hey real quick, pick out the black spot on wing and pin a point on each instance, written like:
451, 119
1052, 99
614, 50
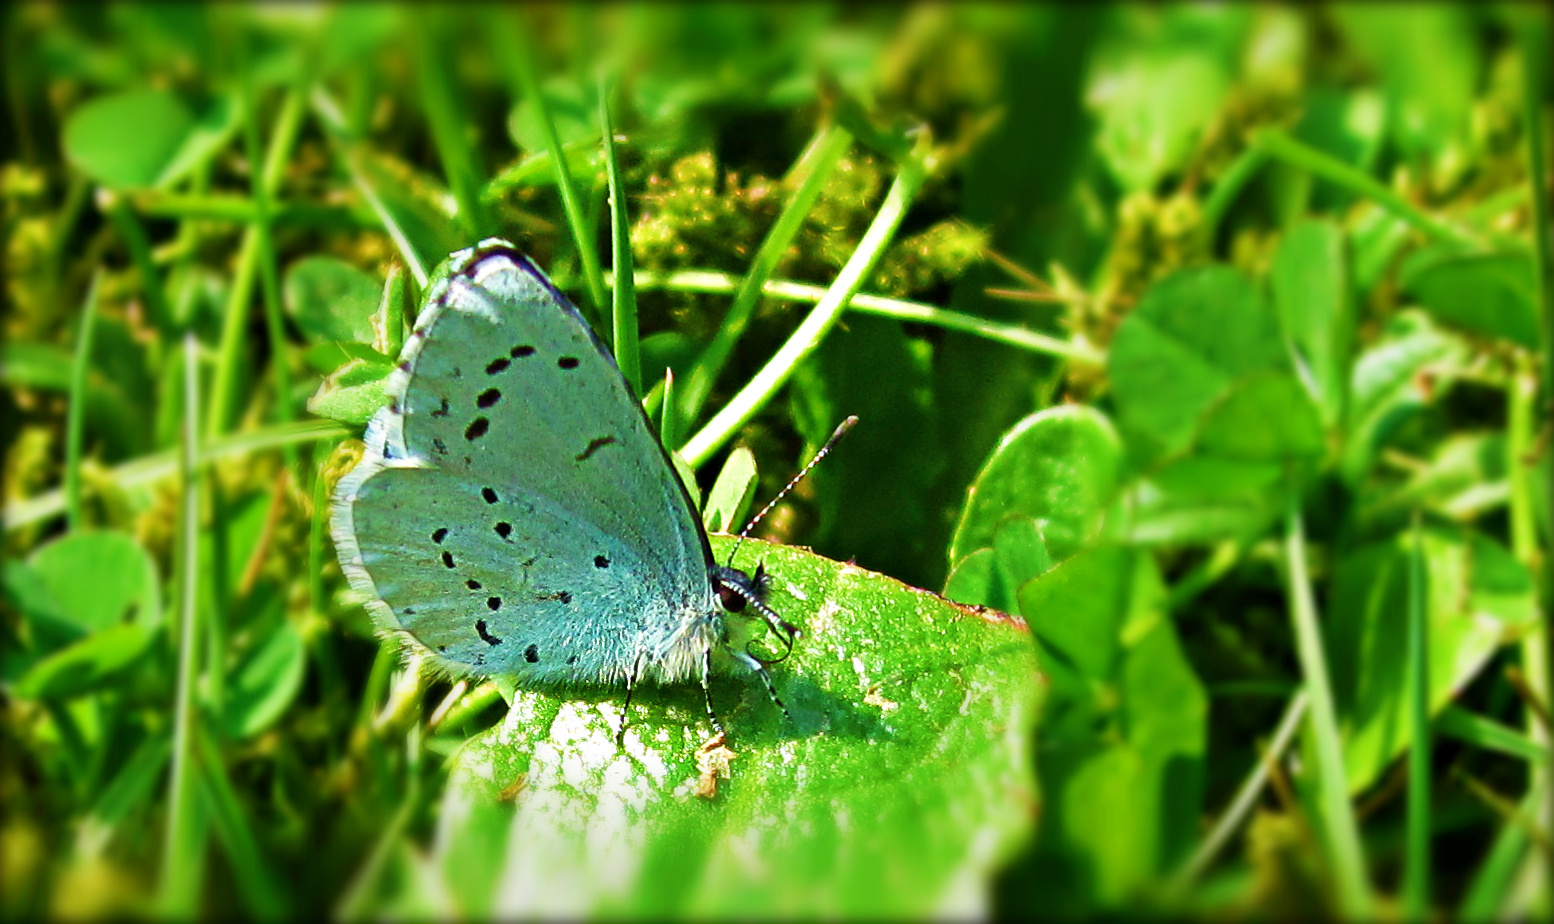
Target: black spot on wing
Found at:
594, 445
488, 397
519, 352
601, 562
493, 603
503, 529
439, 534
487, 637
447, 559
442, 409
477, 428
567, 362
497, 365
472, 584
488, 495
532, 654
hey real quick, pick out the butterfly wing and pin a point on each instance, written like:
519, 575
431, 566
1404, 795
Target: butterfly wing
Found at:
514, 511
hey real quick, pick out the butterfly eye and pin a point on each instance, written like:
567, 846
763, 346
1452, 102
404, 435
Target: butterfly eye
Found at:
733, 601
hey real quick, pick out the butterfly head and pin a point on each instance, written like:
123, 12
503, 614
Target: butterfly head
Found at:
737, 590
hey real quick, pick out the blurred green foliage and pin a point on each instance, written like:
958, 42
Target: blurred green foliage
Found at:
1211, 341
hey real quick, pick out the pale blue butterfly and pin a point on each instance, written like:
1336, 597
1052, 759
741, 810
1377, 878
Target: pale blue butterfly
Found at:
514, 512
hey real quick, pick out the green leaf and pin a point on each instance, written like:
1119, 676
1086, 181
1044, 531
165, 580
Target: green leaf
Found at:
1193, 336
1124, 733
1265, 419
99, 580
92, 663
1429, 66
332, 354
265, 682
1077, 608
1388, 387
330, 299
1203, 499
353, 393
1155, 91
139, 139
993, 577
1059, 467
1311, 292
1464, 478
729, 500
1478, 597
912, 719
573, 106
1490, 294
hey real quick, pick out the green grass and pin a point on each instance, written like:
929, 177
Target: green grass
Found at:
1255, 445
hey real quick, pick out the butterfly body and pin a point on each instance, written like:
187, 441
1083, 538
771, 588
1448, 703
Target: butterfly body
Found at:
515, 514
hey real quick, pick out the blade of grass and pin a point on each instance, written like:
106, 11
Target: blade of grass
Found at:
624, 296
1538, 653
1491, 884
223, 394
178, 892
445, 114
133, 785
1277, 144
879, 306
1229, 186
328, 111
1339, 827
264, 895
75, 414
264, 241
511, 36
355, 900
1241, 806
807, 178
155, 467
807, 338
666, 427
1471, 728
1416, 858
339, 219
133, 233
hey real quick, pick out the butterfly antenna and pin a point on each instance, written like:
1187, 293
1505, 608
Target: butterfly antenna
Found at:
837, 434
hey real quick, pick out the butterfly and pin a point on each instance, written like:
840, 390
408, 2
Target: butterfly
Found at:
514, 512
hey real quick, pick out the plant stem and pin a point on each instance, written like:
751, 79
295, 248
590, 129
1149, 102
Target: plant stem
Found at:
879, 306
623, 315
1339, 827
179, 888
1416, 859
813, 168
1278, 144
807, 338
75, 414
1241, 805
516, 48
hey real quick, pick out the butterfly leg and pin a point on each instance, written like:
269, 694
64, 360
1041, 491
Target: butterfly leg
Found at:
766, 678
631, 684
706, 689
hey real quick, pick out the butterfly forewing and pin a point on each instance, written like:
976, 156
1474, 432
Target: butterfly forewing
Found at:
514, 509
